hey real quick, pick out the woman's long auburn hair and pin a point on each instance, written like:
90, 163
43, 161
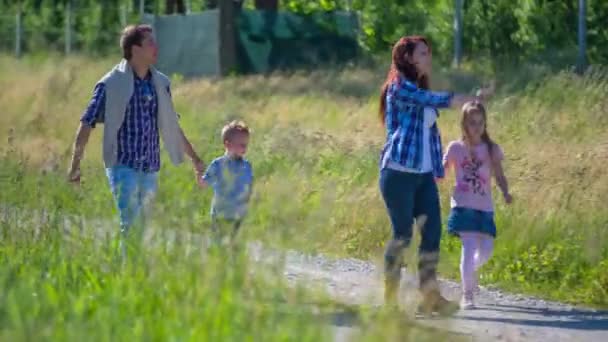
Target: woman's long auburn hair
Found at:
400, 66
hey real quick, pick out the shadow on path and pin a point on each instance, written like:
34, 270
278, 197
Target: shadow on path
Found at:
540, 317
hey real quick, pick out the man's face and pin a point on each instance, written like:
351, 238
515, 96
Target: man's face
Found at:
148, 51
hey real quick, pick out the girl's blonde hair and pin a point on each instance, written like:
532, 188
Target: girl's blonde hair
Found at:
472, 108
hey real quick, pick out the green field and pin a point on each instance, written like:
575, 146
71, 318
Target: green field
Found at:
315, 146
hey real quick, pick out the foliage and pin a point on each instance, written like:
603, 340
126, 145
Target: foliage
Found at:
505, 30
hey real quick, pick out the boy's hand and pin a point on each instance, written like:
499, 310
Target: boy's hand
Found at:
508, 198
200, 181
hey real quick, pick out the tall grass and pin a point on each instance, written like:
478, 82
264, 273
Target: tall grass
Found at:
315, 151
63, 278
77, 289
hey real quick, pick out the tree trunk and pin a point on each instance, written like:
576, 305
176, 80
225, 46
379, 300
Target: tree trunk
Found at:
581, 63
227, 37
267, 4
172, 5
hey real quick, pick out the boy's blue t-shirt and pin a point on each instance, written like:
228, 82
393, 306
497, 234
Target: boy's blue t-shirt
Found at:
231, 180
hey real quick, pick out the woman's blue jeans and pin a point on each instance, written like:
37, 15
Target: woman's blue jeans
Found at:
409, 198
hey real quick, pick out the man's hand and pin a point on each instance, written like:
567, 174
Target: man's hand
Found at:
199, 171
198, 165
74, 175
508, 198
82, 137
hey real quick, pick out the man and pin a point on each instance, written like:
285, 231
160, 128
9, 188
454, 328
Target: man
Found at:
134, 103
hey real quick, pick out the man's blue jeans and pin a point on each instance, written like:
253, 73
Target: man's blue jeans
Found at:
133, 192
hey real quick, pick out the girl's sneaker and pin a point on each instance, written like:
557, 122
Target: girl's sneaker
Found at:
466, 303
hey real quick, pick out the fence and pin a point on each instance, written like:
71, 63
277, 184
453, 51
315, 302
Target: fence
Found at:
10, 33
189, 44
20, 33
195, 44
70, 30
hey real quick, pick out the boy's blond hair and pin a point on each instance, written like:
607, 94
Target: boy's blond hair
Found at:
232, 129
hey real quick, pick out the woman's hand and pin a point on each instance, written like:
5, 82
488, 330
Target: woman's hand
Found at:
485, 93
459, 100
481, 95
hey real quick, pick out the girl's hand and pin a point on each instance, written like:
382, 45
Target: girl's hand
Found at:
508, 198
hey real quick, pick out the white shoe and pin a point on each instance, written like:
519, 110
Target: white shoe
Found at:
466, 303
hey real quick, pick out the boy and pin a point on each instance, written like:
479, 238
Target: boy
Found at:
231, 178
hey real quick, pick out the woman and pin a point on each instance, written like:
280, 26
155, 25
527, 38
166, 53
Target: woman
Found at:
411, 160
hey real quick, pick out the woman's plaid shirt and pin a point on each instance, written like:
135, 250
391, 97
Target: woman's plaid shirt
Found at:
404, 120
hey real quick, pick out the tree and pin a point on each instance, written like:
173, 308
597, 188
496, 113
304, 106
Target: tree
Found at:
267, 4
173, 6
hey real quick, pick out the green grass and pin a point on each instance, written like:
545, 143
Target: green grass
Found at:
314, 151
75, 289
64, 281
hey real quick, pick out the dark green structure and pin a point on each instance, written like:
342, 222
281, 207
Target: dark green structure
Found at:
269, 40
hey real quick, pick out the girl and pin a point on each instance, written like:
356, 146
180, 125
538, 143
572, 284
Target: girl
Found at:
409, 163
474, 158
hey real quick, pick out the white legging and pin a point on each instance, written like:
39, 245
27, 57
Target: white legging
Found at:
476, 251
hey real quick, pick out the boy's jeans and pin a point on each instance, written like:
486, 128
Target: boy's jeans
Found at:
133, 192
223, 229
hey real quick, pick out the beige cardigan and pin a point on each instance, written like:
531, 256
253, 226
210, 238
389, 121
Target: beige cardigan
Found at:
119, 89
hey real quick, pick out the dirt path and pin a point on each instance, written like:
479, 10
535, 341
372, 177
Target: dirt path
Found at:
500, 316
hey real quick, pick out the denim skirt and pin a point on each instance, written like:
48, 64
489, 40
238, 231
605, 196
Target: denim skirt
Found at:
471, 220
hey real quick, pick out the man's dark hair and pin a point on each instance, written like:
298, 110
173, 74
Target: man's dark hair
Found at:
133, 35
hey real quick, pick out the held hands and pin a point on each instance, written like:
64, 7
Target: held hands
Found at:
199, 170
198, 165
201, 182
